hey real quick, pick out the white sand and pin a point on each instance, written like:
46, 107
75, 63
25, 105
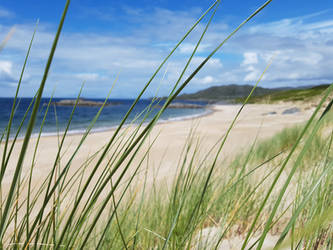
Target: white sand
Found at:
171, 138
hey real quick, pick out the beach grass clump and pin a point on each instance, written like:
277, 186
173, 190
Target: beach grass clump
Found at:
176, 214
229, 206
282, 141
285, 139
111, 202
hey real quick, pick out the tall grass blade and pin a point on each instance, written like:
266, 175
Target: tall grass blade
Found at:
29, 129
3, 165
129, 112
196, 208
327, 109
33, 165
149, 126
56, 161
65, 169
298, 160
193, 53
17, 134
278, 175
302, 205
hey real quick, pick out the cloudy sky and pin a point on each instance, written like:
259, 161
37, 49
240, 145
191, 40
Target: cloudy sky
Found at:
102, 39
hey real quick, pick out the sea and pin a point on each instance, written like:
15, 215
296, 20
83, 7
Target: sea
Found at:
57, 116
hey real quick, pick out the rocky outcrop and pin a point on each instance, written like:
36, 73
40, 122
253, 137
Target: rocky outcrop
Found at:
291, 111
270, 113
81, 102
179, 105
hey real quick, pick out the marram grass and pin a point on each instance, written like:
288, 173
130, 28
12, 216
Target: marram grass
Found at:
106, 204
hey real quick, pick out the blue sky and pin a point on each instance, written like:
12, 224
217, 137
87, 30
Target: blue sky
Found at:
103, 39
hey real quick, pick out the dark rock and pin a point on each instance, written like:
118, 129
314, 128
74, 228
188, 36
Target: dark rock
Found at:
291, 111
270, 113
81, 102
178, 105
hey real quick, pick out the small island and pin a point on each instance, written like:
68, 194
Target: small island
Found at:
82, 103
182, 105
179, 105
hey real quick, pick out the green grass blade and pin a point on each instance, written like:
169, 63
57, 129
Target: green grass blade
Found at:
33, 164
220, 149
327, 109
3, 165
54, 167
302, 205
149, 126
131, 109
179, 79
64, 171
299, 158
111, 193
31, 124
18, 133
30, 128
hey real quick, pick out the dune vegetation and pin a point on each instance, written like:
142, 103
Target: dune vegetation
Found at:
292, 95
280, 187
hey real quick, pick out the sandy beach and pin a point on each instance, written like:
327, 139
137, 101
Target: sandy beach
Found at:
257, 120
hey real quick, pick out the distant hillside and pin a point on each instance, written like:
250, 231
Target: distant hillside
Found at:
227, 92
290, 95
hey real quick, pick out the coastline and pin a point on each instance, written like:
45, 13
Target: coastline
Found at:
168, 138
208, 111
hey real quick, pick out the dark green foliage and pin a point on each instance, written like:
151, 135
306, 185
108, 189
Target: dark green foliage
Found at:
289, 95
227, 92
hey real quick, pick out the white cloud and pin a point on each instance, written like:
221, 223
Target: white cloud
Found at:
188, 48
212, 63
207, 80
319, 25
6, 67
253, 74
7, 77
87, 76
250, 58
303, 50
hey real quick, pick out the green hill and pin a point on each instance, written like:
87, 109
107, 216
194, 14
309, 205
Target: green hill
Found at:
238, 93
227, 92
289, 95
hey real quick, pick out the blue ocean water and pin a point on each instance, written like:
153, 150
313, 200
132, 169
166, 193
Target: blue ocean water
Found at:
57, 116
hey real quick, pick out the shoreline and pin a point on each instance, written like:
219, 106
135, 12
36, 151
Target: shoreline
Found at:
208, 111
169, 139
